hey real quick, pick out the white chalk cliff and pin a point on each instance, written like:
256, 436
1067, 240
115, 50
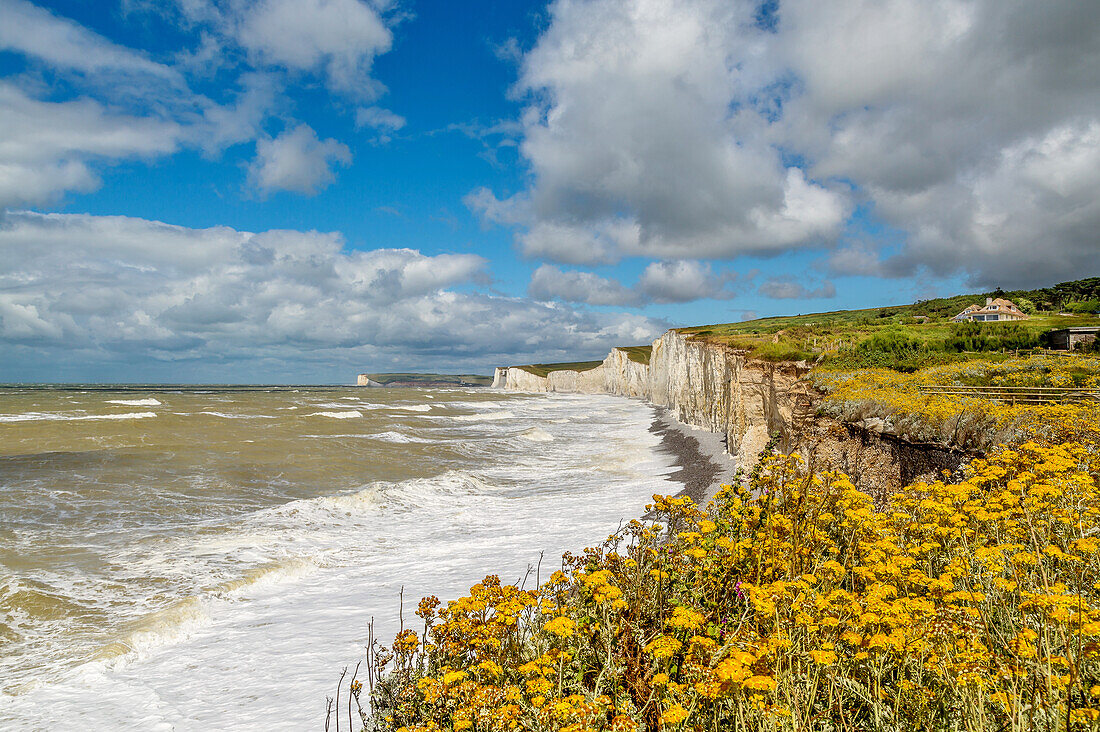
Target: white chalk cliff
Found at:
725, 391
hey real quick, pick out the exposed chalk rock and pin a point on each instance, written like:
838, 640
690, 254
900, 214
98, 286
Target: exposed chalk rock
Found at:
748, 401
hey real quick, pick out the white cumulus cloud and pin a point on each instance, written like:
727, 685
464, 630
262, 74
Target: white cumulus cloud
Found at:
661, 282
379, 118
788, 288
552, 283
969, 124
341, 38
137, 293
297, 160
47, 148
683, 281
28, 29
689, 129
637, 148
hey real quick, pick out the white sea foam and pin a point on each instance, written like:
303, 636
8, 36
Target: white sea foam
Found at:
135, 402
227, 415
535, 434
485, 416
392, 436
416, 408
350, 414
56, 417
157, 629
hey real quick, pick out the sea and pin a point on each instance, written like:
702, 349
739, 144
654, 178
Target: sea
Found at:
210, 558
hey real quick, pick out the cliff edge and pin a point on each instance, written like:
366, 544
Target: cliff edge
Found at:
749, 402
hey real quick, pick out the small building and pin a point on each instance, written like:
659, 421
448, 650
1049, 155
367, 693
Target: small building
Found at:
997, 310
1067, 339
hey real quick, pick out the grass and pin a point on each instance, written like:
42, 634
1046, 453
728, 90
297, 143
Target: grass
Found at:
544, 369
806, 337
458, 379
902, 337
637, 354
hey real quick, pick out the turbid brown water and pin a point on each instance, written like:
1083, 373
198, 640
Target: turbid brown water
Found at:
198, 558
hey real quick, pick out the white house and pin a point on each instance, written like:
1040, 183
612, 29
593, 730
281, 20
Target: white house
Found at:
994, 309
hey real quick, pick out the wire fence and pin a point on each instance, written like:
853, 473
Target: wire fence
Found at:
1014, 394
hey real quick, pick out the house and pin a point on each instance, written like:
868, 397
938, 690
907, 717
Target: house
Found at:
997, 309
1067, 339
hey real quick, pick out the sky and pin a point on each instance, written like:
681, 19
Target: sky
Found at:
295, 191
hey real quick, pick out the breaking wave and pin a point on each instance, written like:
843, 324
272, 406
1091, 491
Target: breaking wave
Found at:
56, 417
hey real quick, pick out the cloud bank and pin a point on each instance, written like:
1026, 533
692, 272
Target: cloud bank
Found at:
661, 282
107, 287
687, 129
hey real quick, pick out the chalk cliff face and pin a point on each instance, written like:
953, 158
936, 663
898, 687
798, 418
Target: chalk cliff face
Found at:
623, 376
578, 382
724, 391
616, 375
747, 401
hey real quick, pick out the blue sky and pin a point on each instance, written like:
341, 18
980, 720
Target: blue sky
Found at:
219, 190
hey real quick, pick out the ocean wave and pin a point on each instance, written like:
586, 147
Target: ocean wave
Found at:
224, 415
395, 437
485, 416
55, 417
159, 628
135, 402
416, 408
183, 616
369, 499
352, 414
391, 436
537, 435
27, 601
265, 575
419, 492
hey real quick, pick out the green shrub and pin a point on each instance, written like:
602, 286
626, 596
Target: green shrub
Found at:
891, 349
1084, 307
781, 352
990, 337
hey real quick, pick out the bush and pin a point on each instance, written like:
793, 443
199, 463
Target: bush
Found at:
990, 337
890, 349
781, 351
1085, 307
1090, 347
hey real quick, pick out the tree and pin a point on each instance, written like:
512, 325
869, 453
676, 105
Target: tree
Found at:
1026, 305
1084, 306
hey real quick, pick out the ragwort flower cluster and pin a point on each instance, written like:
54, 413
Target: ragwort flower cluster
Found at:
970, 421
792, 604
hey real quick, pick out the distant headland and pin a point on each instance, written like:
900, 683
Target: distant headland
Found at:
422, 380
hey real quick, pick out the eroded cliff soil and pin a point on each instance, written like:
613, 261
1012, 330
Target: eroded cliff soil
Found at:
749, 401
